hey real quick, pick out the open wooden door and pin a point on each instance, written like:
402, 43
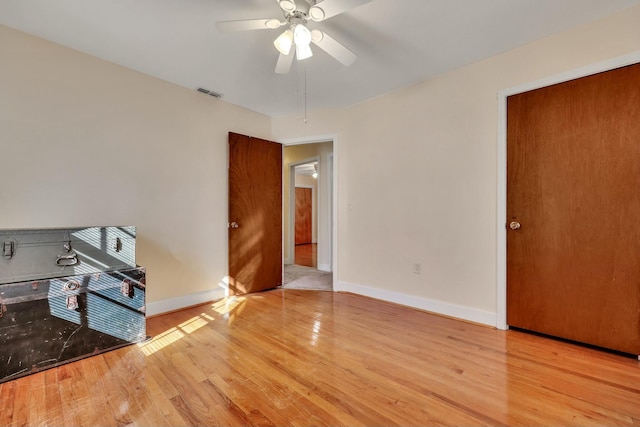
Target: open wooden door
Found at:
573, 203
255, 214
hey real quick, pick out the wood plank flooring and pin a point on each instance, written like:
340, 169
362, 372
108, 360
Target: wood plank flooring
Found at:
296, 357
307, 255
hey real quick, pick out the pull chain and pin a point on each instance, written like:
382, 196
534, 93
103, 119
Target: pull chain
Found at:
302, 97
305, 94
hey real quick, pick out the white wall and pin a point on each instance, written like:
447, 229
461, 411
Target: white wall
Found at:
86, 142
418, 173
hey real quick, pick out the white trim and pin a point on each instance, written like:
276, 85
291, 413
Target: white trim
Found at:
288, 261
334, 194
330, 211
501, 240
501, 256
439, 307
324, 267
172, 304
334, 210
292, 205
308, 139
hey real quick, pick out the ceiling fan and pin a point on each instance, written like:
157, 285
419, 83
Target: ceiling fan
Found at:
298, 37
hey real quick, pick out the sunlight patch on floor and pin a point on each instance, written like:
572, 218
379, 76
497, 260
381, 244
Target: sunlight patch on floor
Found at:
225, 307
160, 341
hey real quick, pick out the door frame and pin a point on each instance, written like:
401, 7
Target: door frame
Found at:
501, 239
330, 213
292, 206
333, 178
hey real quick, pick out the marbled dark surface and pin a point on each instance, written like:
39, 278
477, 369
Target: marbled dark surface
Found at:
47, 323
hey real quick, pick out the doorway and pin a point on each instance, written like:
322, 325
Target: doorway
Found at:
308, 215
305, 214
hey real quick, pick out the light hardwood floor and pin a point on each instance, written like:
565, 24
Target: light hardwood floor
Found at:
296, 357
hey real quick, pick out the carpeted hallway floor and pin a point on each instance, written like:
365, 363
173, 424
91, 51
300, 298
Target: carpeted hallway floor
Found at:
300, 277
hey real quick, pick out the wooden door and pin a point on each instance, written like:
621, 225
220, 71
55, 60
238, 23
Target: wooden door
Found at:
573, 184
255, 214
303, 216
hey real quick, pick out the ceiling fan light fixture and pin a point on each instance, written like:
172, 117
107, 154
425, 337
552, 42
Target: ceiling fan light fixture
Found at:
287, 5
301, 36
316, 13
302, 39
284, 42
303, 52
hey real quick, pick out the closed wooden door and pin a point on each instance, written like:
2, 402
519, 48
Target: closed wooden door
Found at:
573, 189
255, 214
303, 215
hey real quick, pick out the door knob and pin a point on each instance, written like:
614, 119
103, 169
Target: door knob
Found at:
514, 225
233, 225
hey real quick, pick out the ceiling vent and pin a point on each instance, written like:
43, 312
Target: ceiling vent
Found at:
210, 93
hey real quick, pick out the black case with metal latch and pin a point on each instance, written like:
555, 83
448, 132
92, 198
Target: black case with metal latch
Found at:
67, 293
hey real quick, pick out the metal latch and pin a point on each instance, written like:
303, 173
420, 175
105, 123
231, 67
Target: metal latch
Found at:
126, 288
118, 245
71, 258
8, 249
72, 302
67, 260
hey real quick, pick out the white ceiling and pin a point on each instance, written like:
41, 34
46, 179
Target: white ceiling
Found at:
399, 42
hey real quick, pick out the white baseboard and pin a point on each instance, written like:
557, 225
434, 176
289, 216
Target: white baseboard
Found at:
288, 261
171, 304
452, 310
324, 267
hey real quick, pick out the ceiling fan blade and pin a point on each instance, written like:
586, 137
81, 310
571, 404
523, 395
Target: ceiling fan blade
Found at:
333, 47
284, 62
287, 6
328, 8
249, 24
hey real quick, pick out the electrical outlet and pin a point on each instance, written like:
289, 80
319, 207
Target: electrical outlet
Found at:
417, 268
